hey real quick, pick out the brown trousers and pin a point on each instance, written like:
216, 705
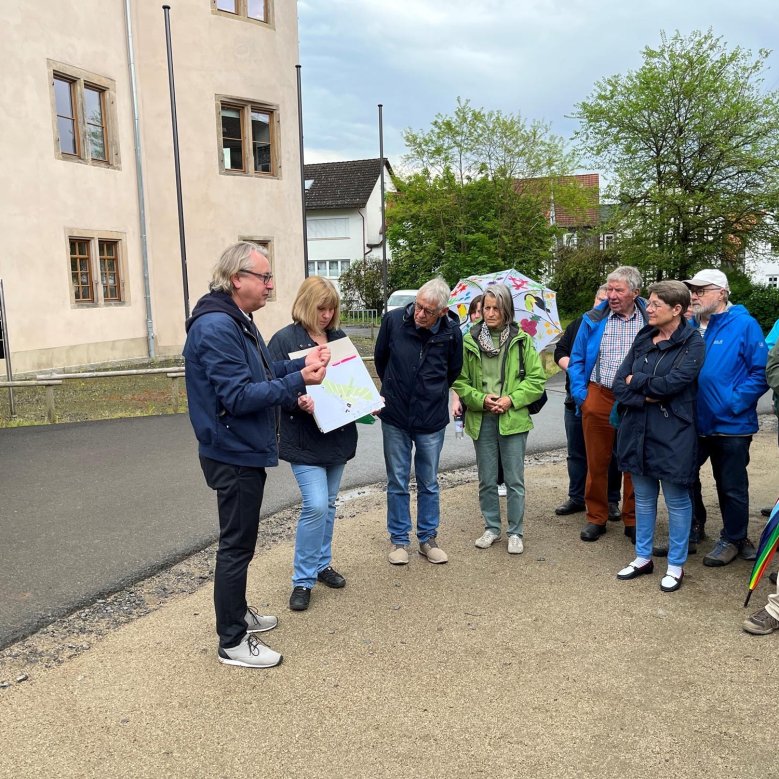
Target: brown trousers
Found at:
599, 441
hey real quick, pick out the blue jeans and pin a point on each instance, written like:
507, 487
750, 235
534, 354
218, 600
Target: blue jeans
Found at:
679, 504
490, 447
314, 537
577, 461
729, 460
397, 457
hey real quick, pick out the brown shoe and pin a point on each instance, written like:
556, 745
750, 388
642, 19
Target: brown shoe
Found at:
432, 552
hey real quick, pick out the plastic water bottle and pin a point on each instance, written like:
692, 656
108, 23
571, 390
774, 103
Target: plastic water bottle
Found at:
458, 426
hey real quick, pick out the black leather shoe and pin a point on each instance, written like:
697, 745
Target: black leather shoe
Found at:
772, 577
569, 507
614, 513
631, 571
630, 532
331, 578
592, 532
299, 599
766, 512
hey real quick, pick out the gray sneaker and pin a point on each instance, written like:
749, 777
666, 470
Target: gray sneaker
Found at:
747, 550
250, 653
433, 552
761, 623
722, 554
257, 623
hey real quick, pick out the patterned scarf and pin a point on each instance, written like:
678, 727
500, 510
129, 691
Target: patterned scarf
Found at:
485, 340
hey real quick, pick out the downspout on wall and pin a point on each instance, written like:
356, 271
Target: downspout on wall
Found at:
139, 181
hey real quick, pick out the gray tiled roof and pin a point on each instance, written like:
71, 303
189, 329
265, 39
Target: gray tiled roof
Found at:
341, 184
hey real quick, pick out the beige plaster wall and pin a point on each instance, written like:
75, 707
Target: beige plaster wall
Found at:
45, 197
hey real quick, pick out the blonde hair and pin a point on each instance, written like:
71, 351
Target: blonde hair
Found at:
315, 293
234, 259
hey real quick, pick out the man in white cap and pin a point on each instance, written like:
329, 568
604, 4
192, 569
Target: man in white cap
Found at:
730, 383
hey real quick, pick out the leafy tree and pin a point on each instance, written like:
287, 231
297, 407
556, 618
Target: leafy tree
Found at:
763, 303
361, 284
691, 144
463, 210
578, 274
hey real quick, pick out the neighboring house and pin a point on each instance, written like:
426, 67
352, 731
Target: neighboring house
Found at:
762, 265
343, 214
87, 280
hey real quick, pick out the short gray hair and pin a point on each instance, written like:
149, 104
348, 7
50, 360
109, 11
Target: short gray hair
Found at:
627, 273
436, 291
503, 300
234, 259
674, 293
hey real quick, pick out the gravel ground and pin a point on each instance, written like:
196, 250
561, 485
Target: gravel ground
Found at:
78, 632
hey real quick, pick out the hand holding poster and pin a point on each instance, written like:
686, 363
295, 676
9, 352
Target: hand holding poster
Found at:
347, 392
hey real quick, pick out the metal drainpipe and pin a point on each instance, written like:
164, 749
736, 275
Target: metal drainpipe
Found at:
139, 181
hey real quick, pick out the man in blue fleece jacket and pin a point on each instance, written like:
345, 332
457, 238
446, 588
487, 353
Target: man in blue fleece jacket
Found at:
730, 383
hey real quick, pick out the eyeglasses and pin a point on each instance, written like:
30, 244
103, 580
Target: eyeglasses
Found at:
426, 311
265, 278
701, 290
654, 304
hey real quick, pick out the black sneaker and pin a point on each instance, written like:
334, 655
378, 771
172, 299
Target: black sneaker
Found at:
331, 578
299, 599
614, 512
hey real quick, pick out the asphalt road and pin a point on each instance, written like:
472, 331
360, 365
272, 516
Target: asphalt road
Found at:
89, 508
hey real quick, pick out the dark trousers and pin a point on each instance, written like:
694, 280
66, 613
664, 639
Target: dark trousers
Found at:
577, 461
729, 460
239, 491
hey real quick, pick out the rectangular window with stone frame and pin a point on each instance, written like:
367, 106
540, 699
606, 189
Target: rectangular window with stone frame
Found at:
96, 269
248, 135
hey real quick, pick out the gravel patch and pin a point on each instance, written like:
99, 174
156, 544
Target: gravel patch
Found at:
76, 633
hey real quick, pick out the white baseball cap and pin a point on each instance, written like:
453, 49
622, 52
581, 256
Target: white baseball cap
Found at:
709, 276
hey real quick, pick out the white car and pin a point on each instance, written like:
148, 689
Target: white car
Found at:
400, 298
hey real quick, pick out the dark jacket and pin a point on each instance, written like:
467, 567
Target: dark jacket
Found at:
416, 368
660, 439
301, 440
564, 348
233, 386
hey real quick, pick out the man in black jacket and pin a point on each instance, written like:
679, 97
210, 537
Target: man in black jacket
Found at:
419, 354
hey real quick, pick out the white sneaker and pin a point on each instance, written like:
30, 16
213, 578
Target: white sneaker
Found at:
486, 539
256, 623
515, 545
250, 653
502, 491
399, 555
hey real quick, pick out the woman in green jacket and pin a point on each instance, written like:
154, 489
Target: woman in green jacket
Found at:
496, 415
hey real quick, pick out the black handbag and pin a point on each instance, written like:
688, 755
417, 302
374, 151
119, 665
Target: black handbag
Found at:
536, 405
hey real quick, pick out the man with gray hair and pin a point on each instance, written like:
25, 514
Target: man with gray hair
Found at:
233, 390
730, 383
605, 336
419, 354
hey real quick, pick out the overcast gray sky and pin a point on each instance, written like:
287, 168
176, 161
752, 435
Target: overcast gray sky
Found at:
537, 58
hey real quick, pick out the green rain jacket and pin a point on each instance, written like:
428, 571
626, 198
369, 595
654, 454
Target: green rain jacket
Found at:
469, 383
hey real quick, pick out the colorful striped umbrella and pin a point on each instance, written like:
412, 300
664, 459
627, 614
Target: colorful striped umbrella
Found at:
765, 550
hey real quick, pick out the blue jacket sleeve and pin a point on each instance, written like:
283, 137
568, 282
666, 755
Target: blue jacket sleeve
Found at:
282, 366
576, 367
223, 357
755, 355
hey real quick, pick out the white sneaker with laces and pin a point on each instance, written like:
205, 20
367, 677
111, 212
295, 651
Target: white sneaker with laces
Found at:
502, 492
486, 539
515, 545
257, 623
250, 653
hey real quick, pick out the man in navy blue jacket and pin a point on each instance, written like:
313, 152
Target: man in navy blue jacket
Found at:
419, 354
730, 383
233, 390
